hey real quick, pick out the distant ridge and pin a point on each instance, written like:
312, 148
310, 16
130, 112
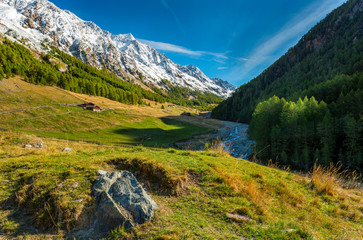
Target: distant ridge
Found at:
40, 21
334, 46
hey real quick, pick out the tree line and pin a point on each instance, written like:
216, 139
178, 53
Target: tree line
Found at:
333, 47
302, 133
307, 106
79, 77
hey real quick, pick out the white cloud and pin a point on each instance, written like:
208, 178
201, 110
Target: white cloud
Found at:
179, 49
222, 68
241, 59
295, 28
170, 47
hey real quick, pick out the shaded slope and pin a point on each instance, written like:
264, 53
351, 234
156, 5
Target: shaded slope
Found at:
333, 47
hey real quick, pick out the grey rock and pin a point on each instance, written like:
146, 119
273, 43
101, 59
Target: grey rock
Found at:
39, 145
75, 185
101, 172
67, 149
121, 201
34, 145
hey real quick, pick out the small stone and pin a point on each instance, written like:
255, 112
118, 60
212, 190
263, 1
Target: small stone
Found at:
101, 172
67, 149
28, 146
39, 145
75, 185
238, 217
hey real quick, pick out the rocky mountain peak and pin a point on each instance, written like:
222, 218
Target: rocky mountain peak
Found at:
40, 21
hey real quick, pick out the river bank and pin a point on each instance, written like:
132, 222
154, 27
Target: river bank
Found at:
233, 137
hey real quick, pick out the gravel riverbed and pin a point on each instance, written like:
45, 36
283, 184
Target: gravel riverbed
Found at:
233, 135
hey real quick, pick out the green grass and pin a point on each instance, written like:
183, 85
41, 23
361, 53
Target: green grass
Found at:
148, 132
109, 127
121, 124
206, 187
197, 192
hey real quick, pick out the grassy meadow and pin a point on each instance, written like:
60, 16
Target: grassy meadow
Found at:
45, 114
205, 195
46, 193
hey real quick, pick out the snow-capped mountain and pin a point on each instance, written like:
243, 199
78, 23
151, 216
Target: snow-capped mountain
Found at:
223, 83
40, 21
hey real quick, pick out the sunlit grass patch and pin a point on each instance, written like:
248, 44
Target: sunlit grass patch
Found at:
216, 147
218, 196
326, 180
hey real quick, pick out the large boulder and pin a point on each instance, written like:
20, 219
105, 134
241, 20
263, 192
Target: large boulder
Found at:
121, 201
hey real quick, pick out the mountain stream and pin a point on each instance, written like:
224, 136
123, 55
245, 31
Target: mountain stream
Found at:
233, 137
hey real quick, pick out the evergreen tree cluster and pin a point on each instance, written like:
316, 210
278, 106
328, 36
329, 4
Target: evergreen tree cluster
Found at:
185, 97
79, 77
15, 59
299, 134
331, 50
326, 70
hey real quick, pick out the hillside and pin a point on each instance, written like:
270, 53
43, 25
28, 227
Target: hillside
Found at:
307, 107
68, 72
53, 112
52, 147
46, 193
39, 22
326, 63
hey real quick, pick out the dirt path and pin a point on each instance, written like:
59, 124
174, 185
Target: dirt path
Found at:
31, 108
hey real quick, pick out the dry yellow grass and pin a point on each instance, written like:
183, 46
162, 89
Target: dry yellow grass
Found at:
23, 93
245, 187
225, 188
216, 147
252, 191
153, 110
326, 180
223, 185
232, 181
12, 145
17, 94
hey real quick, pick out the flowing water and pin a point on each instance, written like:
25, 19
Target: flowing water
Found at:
233, 135
235, 139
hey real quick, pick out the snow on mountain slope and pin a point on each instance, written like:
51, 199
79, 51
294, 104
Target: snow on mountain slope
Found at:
38, 21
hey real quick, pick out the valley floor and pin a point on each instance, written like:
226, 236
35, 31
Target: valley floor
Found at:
45, 193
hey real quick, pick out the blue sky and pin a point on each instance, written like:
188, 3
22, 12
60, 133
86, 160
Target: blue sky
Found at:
231, 39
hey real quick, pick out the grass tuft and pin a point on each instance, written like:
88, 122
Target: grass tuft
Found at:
257, 175
326, 180
216, 147
168, 180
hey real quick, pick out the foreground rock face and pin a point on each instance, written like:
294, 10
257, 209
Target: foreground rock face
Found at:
121, 201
